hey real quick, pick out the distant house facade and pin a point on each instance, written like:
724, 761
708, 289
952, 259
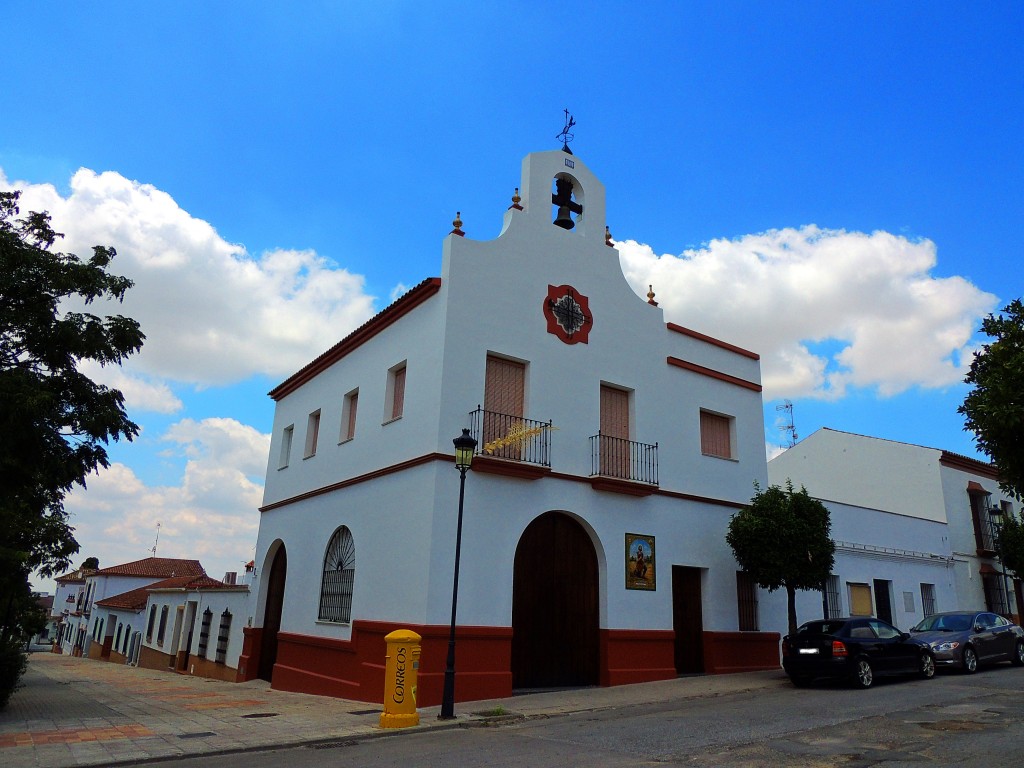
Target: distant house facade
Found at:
613, 449
66, 611
194, 626
914, 527
117, 580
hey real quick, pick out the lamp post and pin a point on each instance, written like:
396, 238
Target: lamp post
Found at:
464, 445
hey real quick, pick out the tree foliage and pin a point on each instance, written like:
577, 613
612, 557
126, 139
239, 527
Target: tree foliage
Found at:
994, 409
783, 540
1011, 544
55, 420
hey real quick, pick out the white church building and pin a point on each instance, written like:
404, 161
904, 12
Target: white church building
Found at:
613, 449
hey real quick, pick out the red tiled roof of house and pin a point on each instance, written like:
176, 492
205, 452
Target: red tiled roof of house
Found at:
76, 575
135, 600
163, 567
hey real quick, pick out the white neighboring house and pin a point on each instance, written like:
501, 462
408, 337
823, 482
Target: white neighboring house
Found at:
118, 579
66, 611
914, 527
195, 626
593, 544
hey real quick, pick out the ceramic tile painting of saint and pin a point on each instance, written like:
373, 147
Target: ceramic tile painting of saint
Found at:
639, 561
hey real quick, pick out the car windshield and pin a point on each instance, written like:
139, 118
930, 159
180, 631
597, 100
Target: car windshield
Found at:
958, 622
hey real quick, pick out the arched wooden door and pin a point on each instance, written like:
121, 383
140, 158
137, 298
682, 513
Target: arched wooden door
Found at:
272, 614
555, 616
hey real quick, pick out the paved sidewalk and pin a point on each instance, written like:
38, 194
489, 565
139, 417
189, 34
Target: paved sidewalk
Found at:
73, 711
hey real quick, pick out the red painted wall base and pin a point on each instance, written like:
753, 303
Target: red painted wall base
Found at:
354, 669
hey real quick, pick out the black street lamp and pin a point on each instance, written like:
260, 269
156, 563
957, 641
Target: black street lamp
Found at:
464, 446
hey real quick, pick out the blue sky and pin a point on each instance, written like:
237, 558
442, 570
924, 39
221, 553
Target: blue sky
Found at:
837, 186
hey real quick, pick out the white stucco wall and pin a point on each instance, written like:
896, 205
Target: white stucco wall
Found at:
491, 301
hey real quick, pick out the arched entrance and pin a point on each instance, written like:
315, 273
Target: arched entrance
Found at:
272, 614
555, 615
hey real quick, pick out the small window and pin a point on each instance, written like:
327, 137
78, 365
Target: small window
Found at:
396, 393
908, 603
338, 579
746, 601
117, 639
286, 446
152, 622
348, 415
204, 633
127, 639
312, 433
716, 435
860, 599
163, 626
222, 636
928, 599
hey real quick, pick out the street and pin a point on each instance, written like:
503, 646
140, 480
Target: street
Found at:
951, 720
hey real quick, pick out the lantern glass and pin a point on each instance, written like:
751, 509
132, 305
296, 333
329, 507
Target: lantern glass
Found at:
464, 447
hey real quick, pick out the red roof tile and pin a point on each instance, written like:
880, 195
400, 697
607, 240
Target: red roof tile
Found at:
163, 567
135, 600
76, 575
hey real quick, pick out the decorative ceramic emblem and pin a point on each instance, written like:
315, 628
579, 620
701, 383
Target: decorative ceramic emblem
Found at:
568, 314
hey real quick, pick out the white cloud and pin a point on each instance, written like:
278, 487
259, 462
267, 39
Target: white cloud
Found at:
140, 393
211, 515
787, 293
211, 312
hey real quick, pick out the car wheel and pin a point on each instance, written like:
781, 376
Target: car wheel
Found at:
927, 668
864, 676
970, 661
801, 681
1018, 654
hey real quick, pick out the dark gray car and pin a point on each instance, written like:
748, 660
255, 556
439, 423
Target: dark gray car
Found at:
965, 639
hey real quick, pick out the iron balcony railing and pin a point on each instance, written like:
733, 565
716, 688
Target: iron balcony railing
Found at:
623, 459
511, 437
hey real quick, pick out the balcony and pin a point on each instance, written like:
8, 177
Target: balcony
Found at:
623, 466
510, 445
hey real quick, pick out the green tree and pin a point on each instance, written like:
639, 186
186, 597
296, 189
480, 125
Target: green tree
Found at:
994, 409
783, 540
56, 422
1010, 543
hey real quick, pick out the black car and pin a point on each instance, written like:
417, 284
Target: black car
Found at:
966, 639
854, 649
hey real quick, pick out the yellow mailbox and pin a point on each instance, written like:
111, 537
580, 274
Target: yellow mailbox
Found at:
403, 663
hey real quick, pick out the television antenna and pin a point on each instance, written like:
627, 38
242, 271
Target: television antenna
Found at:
788, 426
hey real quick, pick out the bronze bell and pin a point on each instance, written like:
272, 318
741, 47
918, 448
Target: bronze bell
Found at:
564, 219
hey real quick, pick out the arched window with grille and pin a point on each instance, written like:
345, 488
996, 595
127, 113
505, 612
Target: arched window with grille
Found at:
338, 578
152, 622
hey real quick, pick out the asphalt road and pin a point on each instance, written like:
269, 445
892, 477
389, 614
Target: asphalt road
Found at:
952, 720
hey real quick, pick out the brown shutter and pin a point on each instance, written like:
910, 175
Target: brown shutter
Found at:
714, 435
615, 432
504, 395
398, 394
353, 402
860, 600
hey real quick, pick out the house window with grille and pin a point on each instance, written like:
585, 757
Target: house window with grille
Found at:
348, 415
338, 578
204, 633
117, 639
222, 636
833, 601
395, 394
995, 594
928, 599
127, 639
746, 601
163, 626
152, 622
716, 435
